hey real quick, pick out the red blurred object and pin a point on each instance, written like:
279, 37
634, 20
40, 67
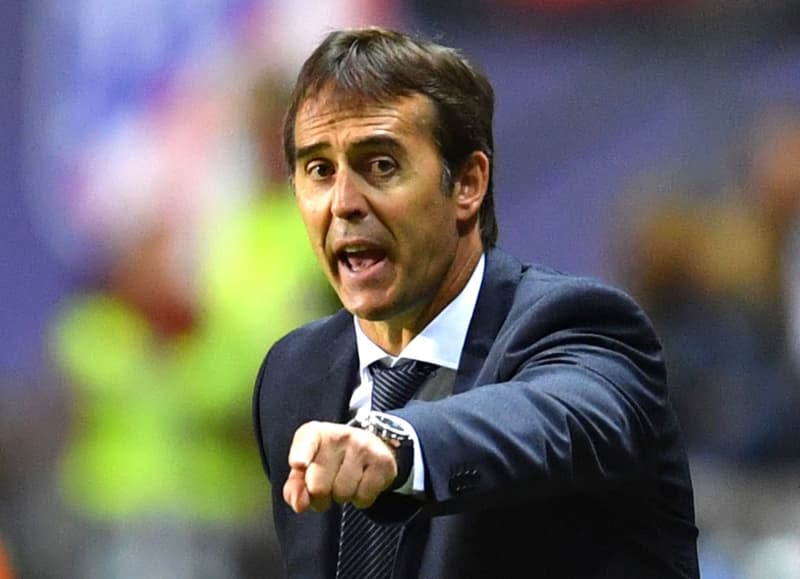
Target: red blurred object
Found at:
148, 278
5, 565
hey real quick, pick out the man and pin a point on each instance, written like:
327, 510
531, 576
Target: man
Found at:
539, 442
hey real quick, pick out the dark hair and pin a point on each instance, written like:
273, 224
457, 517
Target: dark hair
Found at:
376, 65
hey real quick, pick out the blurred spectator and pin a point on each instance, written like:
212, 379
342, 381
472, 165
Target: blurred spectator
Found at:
775, 185
711, 272
161, 424
162, 459
718, 271
36, 535
151, 172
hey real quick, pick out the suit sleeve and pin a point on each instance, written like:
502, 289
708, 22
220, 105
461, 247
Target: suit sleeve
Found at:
256, 407
571, 399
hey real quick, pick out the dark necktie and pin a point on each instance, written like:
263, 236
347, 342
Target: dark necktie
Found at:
367, 549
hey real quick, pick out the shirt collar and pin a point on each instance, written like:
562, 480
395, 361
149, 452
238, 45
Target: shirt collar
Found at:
441, 341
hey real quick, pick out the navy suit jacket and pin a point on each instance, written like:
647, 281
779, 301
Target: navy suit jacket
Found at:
557, 456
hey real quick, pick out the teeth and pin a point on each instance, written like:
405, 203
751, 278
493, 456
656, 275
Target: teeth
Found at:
355, 248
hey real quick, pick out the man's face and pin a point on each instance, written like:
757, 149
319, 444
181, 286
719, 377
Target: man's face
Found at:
368, 183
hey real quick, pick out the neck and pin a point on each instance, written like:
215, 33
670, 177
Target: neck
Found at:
394, 335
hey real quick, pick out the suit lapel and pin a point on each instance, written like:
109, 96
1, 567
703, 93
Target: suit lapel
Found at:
330, 393
324, 394
500, 280
331, 382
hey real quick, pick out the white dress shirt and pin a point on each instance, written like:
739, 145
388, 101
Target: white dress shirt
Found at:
439, 343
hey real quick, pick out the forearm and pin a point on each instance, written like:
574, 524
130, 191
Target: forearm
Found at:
575, 410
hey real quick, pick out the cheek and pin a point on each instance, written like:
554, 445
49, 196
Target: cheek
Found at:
429, 237
316, 231
435, 221
314, 215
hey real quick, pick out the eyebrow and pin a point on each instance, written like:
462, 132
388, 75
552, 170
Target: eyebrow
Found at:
368, 142
310, 150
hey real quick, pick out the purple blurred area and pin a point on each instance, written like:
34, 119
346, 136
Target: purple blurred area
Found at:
32, 280
656, 144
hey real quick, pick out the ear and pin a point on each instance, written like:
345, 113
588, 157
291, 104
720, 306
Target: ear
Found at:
470, 186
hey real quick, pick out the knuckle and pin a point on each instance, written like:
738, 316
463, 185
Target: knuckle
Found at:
366, 494
342, 495
320, 504
317, 485
360, 442
314, 487
383, 472
382, 457
305, 430
338, 436
308, 426
371, 444
363, 502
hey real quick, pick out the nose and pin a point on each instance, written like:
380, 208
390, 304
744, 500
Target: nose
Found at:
348, 201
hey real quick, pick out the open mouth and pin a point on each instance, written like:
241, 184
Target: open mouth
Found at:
357, 258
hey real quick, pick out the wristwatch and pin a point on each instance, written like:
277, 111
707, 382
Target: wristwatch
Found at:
396, 436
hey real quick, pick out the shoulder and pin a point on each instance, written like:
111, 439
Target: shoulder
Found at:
542, 287
546, 301
566, 321
537, 287
311, 344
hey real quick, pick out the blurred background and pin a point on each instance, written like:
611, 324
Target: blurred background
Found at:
150, 252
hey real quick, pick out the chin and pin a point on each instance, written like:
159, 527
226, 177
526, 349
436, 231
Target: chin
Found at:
369, 312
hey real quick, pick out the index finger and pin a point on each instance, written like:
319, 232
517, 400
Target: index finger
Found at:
295, 493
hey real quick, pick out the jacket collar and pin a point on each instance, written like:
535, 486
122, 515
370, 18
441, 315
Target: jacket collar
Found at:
500, 280
331, 385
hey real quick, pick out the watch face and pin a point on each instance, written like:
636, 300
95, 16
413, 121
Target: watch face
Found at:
389, 424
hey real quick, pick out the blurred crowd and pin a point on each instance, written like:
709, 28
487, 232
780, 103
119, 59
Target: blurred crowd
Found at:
718, 272
129, 453
134, 455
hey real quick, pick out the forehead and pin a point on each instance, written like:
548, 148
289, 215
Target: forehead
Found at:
326, 121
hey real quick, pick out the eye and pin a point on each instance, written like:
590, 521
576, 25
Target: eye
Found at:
319, 170
382, 166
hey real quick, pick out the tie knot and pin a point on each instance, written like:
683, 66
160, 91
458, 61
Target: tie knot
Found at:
394, 387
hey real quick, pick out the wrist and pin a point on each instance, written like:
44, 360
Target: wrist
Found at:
395, 435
